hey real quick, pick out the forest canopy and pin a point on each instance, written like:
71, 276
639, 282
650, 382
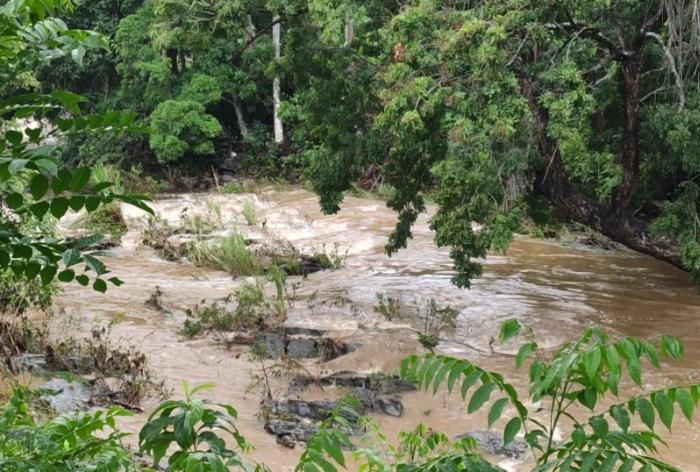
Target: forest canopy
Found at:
499, 112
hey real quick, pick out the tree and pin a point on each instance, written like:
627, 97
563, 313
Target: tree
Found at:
499, 108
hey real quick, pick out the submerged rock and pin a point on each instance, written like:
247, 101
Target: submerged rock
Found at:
65, 396
492, 443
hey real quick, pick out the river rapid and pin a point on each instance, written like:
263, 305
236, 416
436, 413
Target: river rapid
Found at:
555, 290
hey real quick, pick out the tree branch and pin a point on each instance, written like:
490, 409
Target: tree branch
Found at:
672, 63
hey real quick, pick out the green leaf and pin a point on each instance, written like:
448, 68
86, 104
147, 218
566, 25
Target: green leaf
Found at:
496, 410
66, 276
646, 412
13, 137
664, 405
635, 370
39, 209
47, 274
480, 397
100, 285
76, 203
599, 425
591, 363
14, 201
671, 347
469, 381
81, 177
82, 280
511, 430
32, 269
523, 353
71, 257
91, 203
38, 186
509, 330
685, 401
622, 418
59, 207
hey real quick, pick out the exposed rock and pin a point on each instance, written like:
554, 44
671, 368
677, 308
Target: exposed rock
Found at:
280, 344
380, 383
31, 362
298, 331
373, 402
291, 433
492, 443
303, 348
38, 363
65, 396
318, 410
274, 344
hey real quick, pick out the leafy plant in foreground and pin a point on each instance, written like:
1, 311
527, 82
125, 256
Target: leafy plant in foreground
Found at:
85, 442
198, 428
34, 183
580, 373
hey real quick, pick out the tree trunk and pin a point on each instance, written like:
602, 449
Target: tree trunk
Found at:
240, 116
172, 55
276, 84
629, 154
553, 183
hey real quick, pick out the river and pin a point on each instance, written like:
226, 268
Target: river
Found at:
555, 290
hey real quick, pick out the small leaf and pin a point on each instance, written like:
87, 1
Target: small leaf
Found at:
664, 405
622, 418
47, 274
66, 276
100, 285
82, 280
480, 397
32, 269
685, 401
71, 257
591, 363
646, 412
523, 353
81, 177
671, 347
39, 209
496, 410
511, 430
14, 201
38, 186
509, 330
59, 206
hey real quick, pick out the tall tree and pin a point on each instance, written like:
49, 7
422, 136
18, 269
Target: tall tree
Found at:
498, 107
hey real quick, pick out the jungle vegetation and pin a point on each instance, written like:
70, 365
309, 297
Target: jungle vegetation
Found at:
500, 111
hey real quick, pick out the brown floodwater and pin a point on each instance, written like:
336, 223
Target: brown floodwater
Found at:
556, 290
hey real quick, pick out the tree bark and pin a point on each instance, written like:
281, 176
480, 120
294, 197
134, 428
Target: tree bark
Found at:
276, 83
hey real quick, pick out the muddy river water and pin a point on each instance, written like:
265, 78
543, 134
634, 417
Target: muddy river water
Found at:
555, 290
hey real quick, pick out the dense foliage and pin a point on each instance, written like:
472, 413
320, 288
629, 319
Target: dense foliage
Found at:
501, 112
